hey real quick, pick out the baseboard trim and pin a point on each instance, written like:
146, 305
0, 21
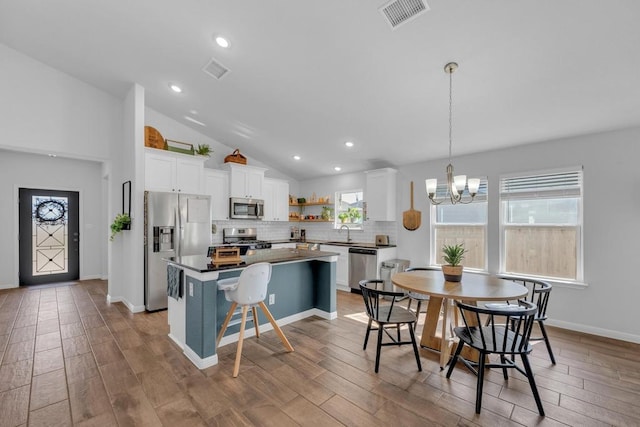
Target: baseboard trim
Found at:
264, 327
132, 308
198, 361
175, 340
9, 286
608, 333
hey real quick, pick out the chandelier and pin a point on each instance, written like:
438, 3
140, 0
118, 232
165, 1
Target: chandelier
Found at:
455, 184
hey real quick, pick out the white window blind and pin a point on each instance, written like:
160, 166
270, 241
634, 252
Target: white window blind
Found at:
546, 185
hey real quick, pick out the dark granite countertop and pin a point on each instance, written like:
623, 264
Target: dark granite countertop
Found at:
336, 243
202, 264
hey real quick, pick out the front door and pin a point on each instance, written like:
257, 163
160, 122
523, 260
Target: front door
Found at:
49, 236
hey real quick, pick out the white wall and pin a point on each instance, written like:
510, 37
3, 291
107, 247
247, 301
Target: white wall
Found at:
611, 225
126, 254
38, 171
46, 111
328, 186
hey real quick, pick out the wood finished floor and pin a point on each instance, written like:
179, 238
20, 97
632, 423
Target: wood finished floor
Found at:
70, 358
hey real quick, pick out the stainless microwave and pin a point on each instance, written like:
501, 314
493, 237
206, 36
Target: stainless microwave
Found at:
240, 208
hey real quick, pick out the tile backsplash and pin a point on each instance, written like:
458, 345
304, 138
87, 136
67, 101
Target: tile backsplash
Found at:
277, 230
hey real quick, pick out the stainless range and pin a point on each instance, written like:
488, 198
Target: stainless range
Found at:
244, 238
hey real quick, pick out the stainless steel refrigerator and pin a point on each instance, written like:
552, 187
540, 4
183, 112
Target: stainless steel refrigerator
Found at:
175, 225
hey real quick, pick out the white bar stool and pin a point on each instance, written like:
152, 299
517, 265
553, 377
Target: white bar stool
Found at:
248, 290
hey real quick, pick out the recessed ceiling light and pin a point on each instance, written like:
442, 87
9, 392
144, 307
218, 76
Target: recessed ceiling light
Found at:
194, 112
222, 42
337, 168
52, 155
175, 88
296, 157
349, 144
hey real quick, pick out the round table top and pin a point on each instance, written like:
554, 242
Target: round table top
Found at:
476, 287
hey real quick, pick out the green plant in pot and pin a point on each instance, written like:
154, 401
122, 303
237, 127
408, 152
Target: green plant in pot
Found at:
343, 217
327, 213
354, 214
453, 256
121, 222
203, 150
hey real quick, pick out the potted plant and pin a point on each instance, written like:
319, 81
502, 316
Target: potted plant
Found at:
343, 217
326, 213
354, 214
453, 256
121, 222
203, 150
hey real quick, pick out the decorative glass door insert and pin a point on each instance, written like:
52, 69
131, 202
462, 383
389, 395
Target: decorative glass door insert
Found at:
50, 235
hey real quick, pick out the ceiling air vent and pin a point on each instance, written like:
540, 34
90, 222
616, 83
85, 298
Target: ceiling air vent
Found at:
215, 69
398, 12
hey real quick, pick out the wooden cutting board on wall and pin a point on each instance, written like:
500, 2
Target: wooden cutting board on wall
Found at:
412, 218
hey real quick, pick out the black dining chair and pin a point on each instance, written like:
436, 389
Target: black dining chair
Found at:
539, 293
415, 296
506, 333
382, 309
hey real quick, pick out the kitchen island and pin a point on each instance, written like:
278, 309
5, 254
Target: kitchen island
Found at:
303, 284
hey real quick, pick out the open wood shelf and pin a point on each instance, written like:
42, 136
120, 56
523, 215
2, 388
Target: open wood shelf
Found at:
311, 204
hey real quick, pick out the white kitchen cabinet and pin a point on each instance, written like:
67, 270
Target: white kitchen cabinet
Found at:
276, 200
342, 265
380, 194
245, 181
216, 185
173, 172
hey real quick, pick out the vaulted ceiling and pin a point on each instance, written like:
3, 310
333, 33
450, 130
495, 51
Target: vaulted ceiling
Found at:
306, 76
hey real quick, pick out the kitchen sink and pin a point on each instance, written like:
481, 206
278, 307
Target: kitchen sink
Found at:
342, 243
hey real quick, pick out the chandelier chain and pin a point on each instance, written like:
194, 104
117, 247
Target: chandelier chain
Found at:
450, 111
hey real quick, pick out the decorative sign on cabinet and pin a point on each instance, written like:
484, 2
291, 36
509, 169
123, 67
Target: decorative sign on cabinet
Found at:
173, 172
245, 181
380, 194
276, 200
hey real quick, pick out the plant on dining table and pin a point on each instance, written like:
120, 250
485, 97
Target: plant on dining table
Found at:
453, 256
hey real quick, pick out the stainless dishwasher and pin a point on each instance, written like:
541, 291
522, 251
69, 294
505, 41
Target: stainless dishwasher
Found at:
363, 264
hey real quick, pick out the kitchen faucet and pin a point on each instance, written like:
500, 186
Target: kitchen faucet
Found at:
348, 232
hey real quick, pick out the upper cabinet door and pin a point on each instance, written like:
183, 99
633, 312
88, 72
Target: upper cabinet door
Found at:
380, 194
246, 181
276, 200
217, 186
189, 175
173, 172
159, 172
255, 182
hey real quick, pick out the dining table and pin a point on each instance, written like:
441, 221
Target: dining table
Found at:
442, 294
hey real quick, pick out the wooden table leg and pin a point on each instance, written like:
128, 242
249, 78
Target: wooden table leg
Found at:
444, 342
429, 338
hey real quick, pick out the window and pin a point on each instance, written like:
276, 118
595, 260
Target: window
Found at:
461, 223
349, 209
541, 224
